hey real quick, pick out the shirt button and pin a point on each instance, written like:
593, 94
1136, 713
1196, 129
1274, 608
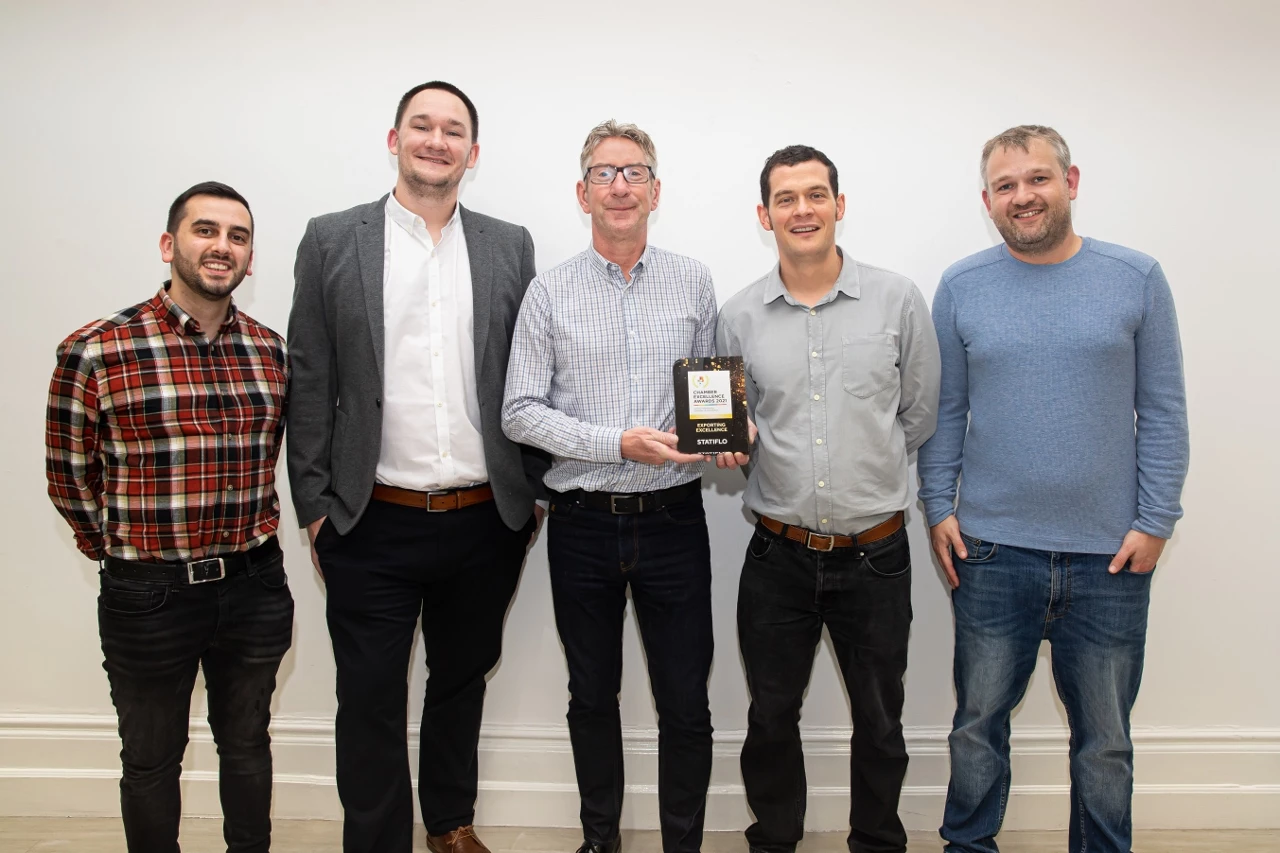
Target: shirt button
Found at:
433, 303
819, 441
230, 488
813, 311
813, 354
444, 455
823, 521
822, 484
226, 535
439, 405
817, 396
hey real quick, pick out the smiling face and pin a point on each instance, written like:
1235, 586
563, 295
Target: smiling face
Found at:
802, 211
434, 144
1029, 198
211, 250
619, 211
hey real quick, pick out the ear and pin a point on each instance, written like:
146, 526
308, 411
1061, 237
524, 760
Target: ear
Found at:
166, 247
839, 207
393, 141
248, 270
657, 190
762, 213
986, 200
1073, 182
582, 198
474, 155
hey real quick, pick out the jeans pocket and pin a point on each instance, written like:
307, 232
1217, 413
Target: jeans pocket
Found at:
760, 545
893, 560
979, 550
121, 597
271, 574
685, 512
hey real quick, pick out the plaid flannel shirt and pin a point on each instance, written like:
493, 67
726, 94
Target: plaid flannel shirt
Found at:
162, 446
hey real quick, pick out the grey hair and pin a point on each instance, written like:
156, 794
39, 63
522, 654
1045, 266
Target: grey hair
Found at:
611, 129
1020, 137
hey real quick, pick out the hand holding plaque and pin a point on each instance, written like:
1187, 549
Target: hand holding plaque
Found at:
711, 405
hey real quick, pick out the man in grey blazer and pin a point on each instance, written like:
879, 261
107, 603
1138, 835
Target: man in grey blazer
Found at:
414, 500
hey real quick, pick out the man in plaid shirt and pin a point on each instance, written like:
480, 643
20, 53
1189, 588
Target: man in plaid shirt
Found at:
162, 433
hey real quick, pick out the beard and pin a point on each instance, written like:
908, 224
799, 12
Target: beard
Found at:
192, 274
430, 187
1055, 224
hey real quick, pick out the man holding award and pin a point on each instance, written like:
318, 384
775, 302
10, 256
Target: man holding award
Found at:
590, 380
841, 374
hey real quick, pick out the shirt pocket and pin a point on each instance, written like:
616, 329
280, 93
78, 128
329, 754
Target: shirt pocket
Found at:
869, 364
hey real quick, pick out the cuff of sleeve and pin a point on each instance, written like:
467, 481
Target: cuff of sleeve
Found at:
938, 511
1153, 528
606, 445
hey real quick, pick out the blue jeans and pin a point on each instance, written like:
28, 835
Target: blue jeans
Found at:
664, 557
1009, 599
155, 636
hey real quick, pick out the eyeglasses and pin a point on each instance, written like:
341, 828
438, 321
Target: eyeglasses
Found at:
635, 173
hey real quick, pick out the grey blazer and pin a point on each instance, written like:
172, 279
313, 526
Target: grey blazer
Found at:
336, 346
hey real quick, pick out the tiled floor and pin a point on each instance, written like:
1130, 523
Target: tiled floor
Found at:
99, 835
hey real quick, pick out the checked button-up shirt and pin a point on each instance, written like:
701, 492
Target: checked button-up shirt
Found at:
592, 357
161, 445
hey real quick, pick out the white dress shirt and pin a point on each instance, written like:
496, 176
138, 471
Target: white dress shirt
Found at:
430, 413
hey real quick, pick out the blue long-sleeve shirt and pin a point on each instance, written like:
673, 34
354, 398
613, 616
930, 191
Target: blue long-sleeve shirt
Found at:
1063, 409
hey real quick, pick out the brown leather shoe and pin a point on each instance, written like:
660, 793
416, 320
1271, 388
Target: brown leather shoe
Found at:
461, 840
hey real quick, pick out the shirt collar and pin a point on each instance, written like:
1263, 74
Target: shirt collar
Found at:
604, 265
846, 283
182, 322
409, 221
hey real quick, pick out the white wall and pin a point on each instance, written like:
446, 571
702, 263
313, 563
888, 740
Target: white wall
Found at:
111, 109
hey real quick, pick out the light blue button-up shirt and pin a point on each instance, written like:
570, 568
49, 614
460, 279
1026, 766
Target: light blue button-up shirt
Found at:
592, 357
841, 392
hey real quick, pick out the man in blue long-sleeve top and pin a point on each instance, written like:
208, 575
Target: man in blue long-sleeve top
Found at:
1064, 409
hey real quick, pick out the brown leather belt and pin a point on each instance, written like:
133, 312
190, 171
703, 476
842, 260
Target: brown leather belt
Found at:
824, 542
434, 501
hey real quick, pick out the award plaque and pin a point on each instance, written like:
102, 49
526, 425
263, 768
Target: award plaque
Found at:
711, 405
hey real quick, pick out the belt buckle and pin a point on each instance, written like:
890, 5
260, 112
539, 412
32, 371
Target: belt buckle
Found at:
442, 509
613, 504
808, 542
200, 571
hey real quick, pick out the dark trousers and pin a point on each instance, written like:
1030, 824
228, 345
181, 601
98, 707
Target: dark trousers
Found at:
863, 596
665, 559
155, 636
457, 570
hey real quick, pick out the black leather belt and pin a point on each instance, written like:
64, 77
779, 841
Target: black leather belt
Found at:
195, 571
630, 504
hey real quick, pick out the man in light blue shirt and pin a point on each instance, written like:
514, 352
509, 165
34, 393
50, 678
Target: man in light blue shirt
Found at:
1064, 412
590, 381
842, 382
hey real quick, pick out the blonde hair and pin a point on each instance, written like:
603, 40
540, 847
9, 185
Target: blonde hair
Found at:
1020, 137
611, 129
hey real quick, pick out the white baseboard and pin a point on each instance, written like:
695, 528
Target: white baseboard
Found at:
1186, 779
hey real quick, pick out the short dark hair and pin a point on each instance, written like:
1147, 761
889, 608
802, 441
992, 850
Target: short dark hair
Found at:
794, 155
178, 209
452, 90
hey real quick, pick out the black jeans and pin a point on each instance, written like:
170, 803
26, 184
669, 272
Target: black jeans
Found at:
665, 558
155, 636
458, 570
863, 596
